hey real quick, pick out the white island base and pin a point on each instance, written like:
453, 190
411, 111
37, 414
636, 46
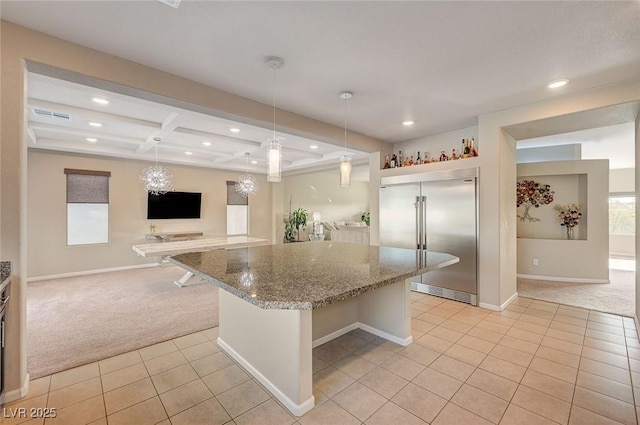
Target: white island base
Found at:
275, 346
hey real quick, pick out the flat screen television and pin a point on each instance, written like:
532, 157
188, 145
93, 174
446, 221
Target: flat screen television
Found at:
174, 205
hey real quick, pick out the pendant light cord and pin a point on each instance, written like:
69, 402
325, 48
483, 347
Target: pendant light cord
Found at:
345, 126
274, 103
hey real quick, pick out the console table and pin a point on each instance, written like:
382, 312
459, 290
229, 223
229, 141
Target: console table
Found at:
167, 236
167, 249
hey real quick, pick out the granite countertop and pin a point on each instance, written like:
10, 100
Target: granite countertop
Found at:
308, 275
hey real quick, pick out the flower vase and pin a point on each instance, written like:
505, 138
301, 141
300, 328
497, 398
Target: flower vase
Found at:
569, 233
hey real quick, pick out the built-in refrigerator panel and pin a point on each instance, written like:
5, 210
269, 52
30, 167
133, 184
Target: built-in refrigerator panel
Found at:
435, 212
398, 211
450, 227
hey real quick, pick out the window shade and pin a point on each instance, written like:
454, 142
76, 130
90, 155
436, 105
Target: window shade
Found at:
233, 197
87, 189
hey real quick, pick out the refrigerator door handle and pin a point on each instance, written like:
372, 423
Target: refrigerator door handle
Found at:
418, 206
423, 222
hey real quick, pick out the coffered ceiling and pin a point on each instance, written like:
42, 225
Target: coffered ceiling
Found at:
438, 63
63, 116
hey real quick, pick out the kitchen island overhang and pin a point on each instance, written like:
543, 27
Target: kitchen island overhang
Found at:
280, 301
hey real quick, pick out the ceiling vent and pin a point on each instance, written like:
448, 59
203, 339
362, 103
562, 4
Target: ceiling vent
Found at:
51, 114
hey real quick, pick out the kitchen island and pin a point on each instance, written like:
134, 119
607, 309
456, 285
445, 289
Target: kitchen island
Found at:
280, 301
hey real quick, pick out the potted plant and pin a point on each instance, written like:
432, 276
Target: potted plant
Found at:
366, 217
298, 220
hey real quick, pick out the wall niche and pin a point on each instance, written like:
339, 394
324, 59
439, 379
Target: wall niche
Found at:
568, 189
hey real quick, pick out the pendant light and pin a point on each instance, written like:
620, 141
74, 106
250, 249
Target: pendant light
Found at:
157, 179
274, 163
345, 161
247, 184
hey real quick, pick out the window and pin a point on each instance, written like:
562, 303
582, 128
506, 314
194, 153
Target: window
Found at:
87, 206
622, 214
237, 212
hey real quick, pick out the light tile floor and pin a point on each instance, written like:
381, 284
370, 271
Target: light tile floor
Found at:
535, 363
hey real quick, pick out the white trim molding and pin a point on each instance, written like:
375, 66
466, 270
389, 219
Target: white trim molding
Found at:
295, 408
562, 279
14, 395
96, 271
502, 307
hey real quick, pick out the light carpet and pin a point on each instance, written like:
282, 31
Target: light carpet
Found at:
617, 297
78, 320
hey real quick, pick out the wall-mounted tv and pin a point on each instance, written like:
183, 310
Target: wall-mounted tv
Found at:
174, 205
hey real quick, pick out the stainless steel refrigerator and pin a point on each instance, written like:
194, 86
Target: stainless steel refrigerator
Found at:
435, 211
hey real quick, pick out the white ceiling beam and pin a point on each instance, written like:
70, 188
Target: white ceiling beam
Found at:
236, 155
201, 151
95, 115
82, 133
215, 136
110, 151
168, 126
306, 153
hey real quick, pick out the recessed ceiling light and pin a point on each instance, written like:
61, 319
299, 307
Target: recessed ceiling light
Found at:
95, 124
313, 147
254, 162
206, 143
407, 123
172, 3
557, 83
91, 139
100, 100
234, 130
188, 153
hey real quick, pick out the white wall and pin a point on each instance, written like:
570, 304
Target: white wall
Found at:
46, 219
583, 259
622, 180
637, 183
549, 153
320, 191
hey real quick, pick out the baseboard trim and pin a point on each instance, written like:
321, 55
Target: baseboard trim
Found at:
87, 272
295, 408
9, 396
401, 341
492, 307
334, 335
561, 279
511, 299
358, 325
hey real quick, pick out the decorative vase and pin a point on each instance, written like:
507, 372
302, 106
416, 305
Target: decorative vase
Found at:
569, 233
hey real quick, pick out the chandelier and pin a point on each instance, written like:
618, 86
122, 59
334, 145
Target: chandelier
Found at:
156, 178
345, 161
275, 147
247, 184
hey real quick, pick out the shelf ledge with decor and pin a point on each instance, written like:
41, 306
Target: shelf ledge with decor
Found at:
453, 164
